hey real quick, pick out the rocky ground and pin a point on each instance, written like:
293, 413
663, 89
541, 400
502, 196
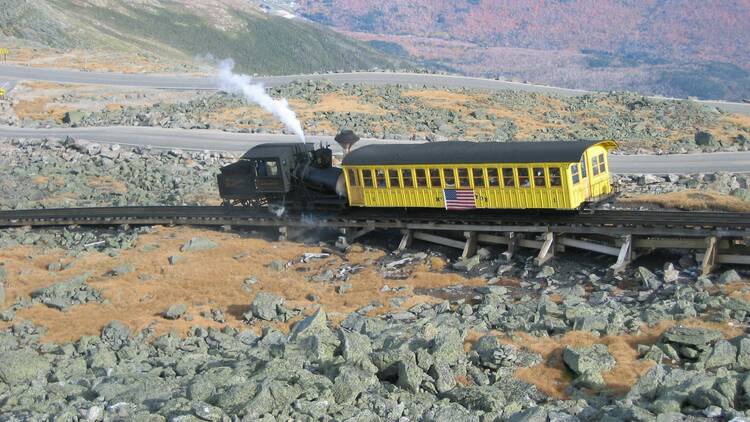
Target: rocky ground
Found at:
188, 324
638, 123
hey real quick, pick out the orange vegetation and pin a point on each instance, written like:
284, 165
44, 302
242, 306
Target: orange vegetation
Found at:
552, 376
203, 280
691, 199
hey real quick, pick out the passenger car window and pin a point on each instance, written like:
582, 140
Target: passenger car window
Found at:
478, 177
508, 179
540, 180
353, 179
393, 178
602, 166
367, 178
574, 173
523, 178
450, 177
584, 174
595, 166
406, 174
421, 178
435, 178
380, 177
463, 178
493, 177
555, 178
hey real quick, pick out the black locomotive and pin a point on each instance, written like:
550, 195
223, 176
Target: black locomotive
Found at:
284, 177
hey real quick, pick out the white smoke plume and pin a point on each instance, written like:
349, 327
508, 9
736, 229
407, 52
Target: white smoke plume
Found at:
254, 92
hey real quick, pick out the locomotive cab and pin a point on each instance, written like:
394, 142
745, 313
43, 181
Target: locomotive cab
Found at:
283, 176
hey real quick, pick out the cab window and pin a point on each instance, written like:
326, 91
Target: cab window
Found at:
435, 178
266, 168
450, 177
393, 178
602, 166
555, 177
421, 178
493, 177
406, 174
574, 173
540, 180
380, 178
595, 165
463, 178
508, 180
478, 175
367, 178
353, 179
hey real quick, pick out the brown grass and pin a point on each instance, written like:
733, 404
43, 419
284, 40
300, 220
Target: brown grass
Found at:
107, 184
443, 98
691, 199
552, 376
207, 279
40, 108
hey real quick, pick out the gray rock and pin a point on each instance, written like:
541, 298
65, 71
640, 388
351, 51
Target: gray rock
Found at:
176, 311
722, 354
409, 375
648, 279
670, 273
277, 265
467, 264
20, 366
691, 336
730, 276
174, 259
743, 356
67, 293
2, 294
198, 244
546, 271
123, 269
266, 306
350, 383
588, 360
445, 379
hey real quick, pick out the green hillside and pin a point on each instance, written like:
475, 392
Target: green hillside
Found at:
258, 42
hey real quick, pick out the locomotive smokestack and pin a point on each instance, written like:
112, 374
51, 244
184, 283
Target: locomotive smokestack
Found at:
346, 138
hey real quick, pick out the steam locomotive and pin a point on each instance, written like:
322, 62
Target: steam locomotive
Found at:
286, 177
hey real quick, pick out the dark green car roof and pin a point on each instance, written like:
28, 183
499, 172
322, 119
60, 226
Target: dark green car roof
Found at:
459, 152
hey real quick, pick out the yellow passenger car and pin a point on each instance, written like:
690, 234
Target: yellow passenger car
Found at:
468, 175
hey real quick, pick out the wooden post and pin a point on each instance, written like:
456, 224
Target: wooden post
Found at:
709, 259
470, 248
625, 256
406, 240
547, 250
513, 240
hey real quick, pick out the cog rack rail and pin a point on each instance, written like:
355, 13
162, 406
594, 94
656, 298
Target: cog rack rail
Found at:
723, 237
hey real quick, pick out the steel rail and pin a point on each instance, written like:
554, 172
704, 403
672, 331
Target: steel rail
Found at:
612, 222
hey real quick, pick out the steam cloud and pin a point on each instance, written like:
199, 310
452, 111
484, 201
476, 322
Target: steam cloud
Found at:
254, 92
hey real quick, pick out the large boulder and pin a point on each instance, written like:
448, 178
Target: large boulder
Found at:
20, 366
705, 139
266, 306
198, 244
689, 336
588, 360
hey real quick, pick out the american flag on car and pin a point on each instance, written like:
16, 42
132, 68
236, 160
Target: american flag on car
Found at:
459, 199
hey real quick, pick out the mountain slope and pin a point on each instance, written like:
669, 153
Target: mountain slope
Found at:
661, 46
259, 42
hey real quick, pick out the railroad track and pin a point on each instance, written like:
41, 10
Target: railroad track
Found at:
609, 222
